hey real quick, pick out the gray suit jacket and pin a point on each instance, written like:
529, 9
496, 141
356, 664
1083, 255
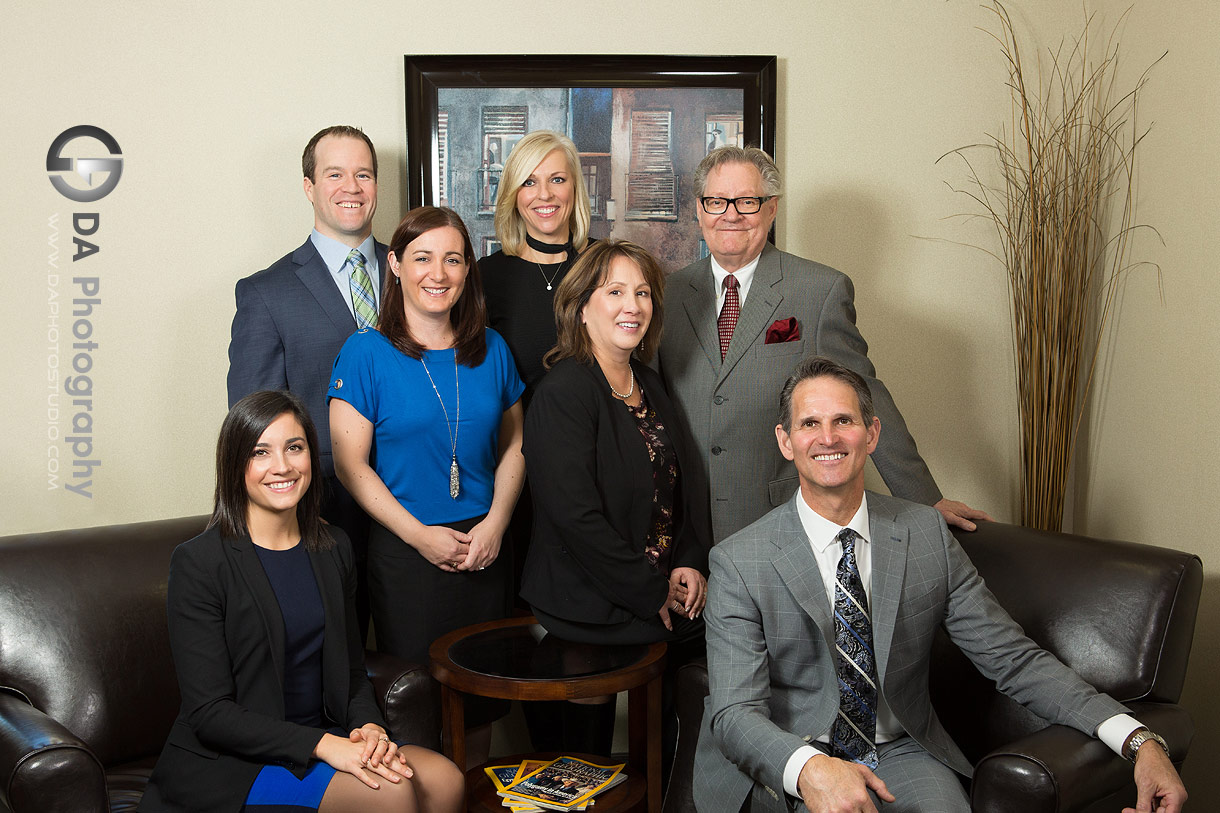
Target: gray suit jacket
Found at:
289, 326
732, 407
770, 648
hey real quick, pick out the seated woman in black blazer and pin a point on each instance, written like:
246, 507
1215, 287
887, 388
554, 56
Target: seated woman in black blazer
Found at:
619, 551
270, 664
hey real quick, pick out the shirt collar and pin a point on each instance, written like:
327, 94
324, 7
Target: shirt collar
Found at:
334, 253
822, 532
744, 275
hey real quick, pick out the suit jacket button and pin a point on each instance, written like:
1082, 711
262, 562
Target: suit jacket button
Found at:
716, 450
718, 400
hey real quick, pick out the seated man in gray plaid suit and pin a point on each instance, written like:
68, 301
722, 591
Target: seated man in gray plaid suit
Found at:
820, 620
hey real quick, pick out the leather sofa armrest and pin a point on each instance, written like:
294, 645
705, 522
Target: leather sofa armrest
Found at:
44, 767
408, 697
1060, 769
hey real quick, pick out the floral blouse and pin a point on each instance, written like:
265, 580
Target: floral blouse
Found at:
658, 546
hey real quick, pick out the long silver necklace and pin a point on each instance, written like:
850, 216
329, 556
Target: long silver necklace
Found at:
630, 389
455, 486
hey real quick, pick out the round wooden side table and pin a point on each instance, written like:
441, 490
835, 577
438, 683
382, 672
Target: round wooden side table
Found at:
515, 659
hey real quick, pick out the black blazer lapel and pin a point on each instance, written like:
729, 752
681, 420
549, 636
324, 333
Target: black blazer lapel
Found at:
629, 447
334, 643
251, 571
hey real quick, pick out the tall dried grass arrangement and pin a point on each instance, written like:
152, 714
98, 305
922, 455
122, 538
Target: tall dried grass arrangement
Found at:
1064, 211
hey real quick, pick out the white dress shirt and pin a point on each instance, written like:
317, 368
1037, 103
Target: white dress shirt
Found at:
745, 276
827, 550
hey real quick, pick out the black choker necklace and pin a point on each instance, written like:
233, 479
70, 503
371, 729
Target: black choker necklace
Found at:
549, 248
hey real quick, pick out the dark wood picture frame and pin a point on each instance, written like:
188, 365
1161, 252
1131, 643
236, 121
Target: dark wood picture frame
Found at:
428, 76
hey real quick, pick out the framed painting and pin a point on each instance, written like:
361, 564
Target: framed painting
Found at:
640, 123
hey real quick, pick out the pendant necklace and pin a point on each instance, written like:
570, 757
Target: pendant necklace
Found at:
548, 282
551, 248
455, 487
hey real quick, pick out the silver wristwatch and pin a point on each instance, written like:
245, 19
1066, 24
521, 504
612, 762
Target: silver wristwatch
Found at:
1141, 736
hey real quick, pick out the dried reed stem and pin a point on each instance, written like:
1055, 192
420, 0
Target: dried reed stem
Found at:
1064, 211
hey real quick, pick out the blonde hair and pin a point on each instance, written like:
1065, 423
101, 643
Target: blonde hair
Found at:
525, 157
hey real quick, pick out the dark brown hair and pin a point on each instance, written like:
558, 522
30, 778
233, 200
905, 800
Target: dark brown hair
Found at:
586, 276
239, 434
469, 314
819, 367
309, 158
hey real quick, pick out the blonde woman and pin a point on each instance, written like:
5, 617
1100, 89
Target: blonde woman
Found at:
542, 223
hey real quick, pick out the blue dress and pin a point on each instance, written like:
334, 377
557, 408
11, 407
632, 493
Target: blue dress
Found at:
277, 789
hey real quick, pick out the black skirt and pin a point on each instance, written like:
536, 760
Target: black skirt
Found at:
414, 602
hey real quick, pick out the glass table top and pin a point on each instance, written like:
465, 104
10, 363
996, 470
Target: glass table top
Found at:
528, 652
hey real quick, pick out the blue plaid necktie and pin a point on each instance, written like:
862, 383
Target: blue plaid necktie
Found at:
853, 735
363, 303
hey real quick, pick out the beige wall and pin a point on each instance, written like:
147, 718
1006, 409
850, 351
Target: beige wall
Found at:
212, 103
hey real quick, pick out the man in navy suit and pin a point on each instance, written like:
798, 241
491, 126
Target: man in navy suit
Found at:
293, 316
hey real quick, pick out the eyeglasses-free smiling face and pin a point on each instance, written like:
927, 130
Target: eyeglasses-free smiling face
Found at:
545, 199
735, 239
279, 471
431, 272
829, 442
618, 313
343, 190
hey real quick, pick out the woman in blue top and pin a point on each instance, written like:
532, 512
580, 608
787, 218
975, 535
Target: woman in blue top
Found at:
277, 711
426, 433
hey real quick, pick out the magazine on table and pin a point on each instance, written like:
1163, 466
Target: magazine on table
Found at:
528, 766
566, 783
503, 775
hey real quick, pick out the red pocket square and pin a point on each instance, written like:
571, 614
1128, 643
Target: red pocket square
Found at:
784, 330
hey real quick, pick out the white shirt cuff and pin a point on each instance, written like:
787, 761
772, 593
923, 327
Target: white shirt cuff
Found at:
1115, 731
792, 770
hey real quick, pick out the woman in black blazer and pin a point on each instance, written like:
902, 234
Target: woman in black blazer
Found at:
276, 705
619, 551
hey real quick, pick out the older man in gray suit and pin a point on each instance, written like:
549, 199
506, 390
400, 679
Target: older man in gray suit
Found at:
737, 322
820, 620
293, 316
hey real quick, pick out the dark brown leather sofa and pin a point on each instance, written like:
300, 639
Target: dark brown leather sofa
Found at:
1121, 614
87, 685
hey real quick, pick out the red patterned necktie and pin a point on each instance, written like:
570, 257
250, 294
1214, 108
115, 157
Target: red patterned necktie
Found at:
728, 314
